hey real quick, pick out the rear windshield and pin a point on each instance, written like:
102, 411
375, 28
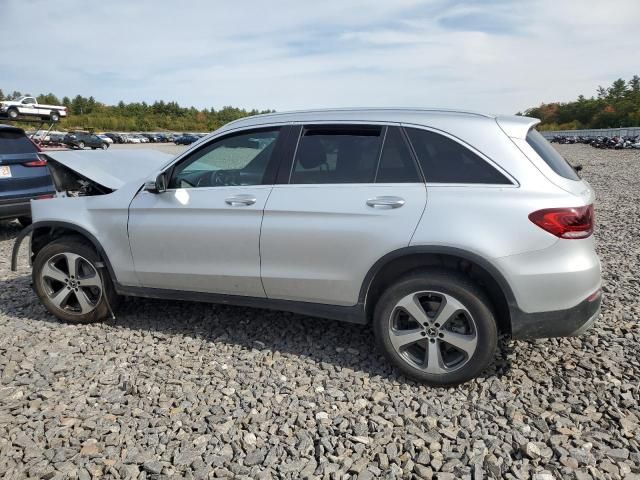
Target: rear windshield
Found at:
550, 155
15, 142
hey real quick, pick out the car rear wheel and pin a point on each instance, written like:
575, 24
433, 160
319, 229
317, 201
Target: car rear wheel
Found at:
12, 113
69, 283
436, 327
81, 145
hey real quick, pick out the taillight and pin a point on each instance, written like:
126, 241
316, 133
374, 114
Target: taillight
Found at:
570, 223
45, 196
36, 163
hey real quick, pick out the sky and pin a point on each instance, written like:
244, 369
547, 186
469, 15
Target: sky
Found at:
493, 56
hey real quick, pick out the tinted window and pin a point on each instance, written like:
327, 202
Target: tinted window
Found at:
12, 142
446, 161
396, 162
337, 155
236, 160
550, 155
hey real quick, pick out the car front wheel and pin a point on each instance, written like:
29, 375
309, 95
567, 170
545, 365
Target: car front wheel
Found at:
436, 327
54, 117
105, 146
69, 283
81, 145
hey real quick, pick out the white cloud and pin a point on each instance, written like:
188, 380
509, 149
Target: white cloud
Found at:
496, 56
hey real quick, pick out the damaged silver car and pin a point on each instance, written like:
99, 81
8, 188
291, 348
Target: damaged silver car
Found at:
443, 229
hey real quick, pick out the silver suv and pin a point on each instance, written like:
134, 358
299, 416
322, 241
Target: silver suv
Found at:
443, 229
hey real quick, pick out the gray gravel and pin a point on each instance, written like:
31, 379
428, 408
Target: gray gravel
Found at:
204, 391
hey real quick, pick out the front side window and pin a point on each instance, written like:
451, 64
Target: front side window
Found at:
550, 155
337, 154
239, 159
444, 160
28, 101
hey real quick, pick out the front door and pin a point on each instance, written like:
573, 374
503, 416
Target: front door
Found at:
202, 234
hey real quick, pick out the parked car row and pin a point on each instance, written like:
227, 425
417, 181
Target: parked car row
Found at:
616, 142
56, 138
152, 137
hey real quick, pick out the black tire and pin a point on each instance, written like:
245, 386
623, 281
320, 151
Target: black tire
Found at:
81, 145
12, 113
105, 146
77, 246
24, 221
54, 116
466, 292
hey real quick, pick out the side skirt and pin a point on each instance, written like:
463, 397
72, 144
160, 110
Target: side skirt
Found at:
354, 314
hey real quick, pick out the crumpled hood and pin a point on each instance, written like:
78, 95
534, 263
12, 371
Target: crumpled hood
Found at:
112, 169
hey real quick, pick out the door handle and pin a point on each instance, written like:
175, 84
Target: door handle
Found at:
240, 200
385, 202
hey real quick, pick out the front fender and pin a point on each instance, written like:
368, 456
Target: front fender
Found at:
63, 225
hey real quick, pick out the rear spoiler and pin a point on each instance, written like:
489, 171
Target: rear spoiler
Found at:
516, 126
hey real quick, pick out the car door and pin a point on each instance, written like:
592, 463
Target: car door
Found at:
28, 106
352, 194
202, 233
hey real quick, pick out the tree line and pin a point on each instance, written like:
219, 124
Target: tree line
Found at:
615, 106
83, 112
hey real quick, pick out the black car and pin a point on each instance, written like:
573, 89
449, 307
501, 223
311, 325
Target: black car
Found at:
186, 140
82, 139
151, 136
116, 137
23, 175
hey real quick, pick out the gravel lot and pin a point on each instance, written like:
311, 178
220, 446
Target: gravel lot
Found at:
202, 391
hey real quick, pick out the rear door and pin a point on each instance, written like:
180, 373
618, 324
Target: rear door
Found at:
350, 194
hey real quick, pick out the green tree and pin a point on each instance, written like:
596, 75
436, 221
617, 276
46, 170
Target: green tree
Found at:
615, 106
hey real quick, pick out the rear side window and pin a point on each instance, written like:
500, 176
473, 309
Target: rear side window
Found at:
550, 155
12, 142
446, 161
337, 155
396, 163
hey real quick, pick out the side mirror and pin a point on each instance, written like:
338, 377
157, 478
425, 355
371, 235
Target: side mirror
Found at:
158, 185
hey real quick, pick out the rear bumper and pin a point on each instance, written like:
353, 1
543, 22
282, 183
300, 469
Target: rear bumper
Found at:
13, 208
559, 323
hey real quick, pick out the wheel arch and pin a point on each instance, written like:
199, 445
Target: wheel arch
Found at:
44, 232
405, 260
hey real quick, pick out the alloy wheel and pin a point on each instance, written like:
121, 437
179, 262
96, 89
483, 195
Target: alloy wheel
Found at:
432, 331
71, 283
